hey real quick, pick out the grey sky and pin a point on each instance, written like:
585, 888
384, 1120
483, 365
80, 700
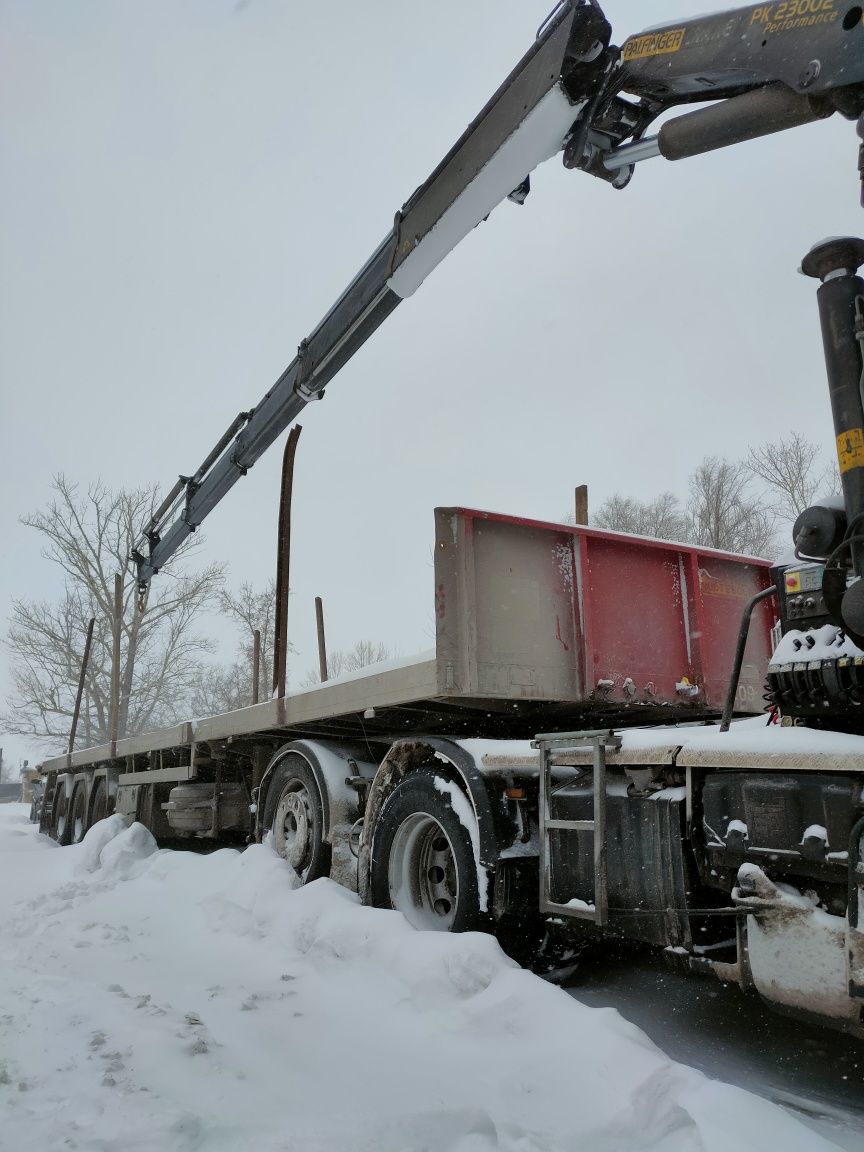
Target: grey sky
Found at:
187, 185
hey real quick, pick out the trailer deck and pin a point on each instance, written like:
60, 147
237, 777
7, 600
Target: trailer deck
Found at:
538, 626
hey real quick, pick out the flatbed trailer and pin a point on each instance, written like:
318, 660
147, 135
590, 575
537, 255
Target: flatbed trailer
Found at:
551, 771
498, 783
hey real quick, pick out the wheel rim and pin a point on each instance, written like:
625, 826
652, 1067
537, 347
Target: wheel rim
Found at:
422, 873
292, 826
79, 814
100, 804
60, 810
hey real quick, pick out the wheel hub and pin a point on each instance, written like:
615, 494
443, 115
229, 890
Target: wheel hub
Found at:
293, 827
79, 814
424, 882
61, 808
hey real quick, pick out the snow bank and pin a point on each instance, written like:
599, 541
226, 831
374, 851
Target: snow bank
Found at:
97, 838
177, 1002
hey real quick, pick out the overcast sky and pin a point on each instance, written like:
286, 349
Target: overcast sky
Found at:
187, 185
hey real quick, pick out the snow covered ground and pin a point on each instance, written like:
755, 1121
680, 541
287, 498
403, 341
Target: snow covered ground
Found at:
175, 1001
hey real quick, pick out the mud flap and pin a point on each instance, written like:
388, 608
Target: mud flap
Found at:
855, 961
797, 954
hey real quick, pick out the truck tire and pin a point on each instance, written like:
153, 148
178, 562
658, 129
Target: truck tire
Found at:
78, 813
61, 825
422, 860
294, 814
99, 803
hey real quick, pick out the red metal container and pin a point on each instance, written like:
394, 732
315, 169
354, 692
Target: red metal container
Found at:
620, 624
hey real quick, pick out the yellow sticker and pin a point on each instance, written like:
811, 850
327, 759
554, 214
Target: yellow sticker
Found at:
793, 581
654, 44
850, 449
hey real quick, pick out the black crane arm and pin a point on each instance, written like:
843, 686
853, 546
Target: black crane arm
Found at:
771, 66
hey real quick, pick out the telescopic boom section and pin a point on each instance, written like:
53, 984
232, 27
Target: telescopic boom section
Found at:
766, 68
524, 123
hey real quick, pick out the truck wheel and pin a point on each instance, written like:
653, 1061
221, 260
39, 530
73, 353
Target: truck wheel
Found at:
422, 860
61, 827
295, 815
78, 813
99, 804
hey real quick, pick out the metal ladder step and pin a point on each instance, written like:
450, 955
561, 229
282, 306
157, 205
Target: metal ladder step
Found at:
557, 744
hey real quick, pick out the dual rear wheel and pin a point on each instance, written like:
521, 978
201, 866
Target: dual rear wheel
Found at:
423, 865
422, 861
70, 819
294, 815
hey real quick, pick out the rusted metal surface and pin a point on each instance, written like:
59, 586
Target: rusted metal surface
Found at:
256, 664
581, 505
283, 564
637, 630
116, 626
85, 659
322, 647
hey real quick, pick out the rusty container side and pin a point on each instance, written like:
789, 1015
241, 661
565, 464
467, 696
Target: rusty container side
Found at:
506, 623
722, 588
661, 620
527, 610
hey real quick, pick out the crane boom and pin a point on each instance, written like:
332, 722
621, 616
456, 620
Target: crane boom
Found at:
772, 66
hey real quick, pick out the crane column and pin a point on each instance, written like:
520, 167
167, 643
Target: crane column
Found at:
841, 300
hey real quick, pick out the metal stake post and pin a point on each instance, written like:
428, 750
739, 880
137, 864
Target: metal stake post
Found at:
115, 661
322, 647
256, 664
283, 562
85, 660
581, 504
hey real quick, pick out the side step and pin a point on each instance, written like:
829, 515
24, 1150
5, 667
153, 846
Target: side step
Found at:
551, 747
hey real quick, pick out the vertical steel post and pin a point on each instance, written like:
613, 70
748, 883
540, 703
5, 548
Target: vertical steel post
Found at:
322, 647
543, 831
115, 661
85, 660
283, 563
256, 664
601, 879
581, 505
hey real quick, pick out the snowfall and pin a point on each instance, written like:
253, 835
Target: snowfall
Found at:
175, 1001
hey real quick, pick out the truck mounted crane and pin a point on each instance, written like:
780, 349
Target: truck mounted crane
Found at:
625, 815
765, 68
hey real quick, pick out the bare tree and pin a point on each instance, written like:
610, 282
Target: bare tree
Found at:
343, 660
90, 537
723, 511
226, 687
793, 474
220, 688
663, 517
